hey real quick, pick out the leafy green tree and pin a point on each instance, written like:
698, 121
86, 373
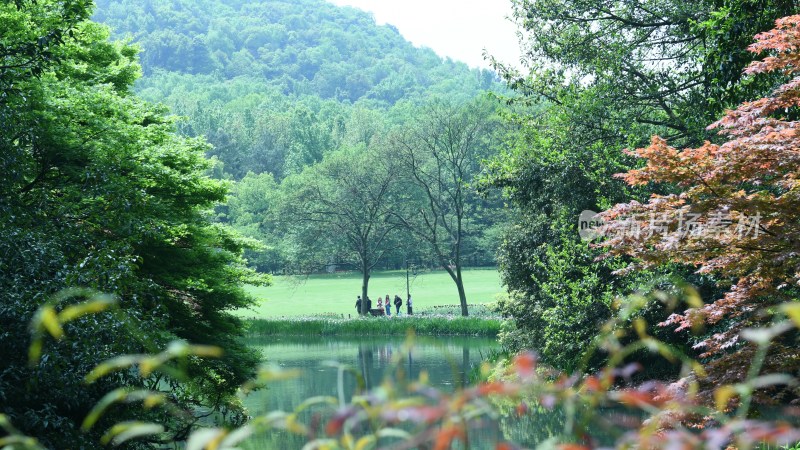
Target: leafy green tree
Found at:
100, 192
252, 211
603, 76
440, 156
674, 65
337, 212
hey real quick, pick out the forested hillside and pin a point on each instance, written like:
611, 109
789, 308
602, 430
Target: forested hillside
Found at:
302, 47
273, 84
278, 86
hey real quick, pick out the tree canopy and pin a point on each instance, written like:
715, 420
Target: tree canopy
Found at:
100, 192
440, 154
735, 214
336, 213
605, 76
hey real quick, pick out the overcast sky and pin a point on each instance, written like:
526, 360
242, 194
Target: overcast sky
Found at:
460, 29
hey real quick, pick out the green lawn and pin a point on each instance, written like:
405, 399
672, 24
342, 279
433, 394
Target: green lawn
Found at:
336, 293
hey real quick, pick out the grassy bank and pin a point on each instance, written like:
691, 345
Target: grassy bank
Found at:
336, 293
371, 326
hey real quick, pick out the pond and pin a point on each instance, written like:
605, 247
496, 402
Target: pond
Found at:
447, 362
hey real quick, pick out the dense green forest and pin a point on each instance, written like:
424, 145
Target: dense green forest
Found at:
274, 84
308, 139
275, 87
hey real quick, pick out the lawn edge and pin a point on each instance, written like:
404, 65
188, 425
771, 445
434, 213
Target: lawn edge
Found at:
421, 326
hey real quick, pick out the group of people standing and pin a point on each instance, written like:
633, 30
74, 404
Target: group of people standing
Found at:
386, 305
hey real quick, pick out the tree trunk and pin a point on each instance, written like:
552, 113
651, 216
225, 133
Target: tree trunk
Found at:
462, 296
364, 288
459, 281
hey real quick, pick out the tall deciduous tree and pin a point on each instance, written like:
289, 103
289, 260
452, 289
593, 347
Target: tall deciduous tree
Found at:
605, 75
99, 192
440, 154
337, 212
737, 211
657, 61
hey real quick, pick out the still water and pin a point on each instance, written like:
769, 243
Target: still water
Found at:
447, 362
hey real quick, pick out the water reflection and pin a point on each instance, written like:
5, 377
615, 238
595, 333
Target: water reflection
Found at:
446, 362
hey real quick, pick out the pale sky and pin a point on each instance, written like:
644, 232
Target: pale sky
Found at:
460, 29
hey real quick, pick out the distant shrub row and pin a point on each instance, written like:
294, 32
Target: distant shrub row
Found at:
430, 326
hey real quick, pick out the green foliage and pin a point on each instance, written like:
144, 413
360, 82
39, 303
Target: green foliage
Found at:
276, 86
664, 63
728, 28
480, 310
595, 410
272, 83
569, 300
251, 210
604, 76
338, 183
99, 192
299, 46
439, 155
559, 294
336, 213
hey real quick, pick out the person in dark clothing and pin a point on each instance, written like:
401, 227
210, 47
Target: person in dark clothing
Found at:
408, 305
358, 305
398, 302
369, 304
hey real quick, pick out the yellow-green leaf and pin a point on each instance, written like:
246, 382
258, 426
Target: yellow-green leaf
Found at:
723, 395
35, 350
207, 351
793, 311
693, 297
364, 442
394, 432
96, 305
236, 436
205, 439
100, 407
49, 320
641, 327
112, 365
126, 431
318, 400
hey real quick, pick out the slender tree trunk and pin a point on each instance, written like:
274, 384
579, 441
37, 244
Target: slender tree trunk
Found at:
364, 288
462, 296
459, 281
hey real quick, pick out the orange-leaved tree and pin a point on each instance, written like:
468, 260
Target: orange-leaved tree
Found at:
735, 213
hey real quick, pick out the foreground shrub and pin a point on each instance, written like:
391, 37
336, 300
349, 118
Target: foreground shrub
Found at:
561, 410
